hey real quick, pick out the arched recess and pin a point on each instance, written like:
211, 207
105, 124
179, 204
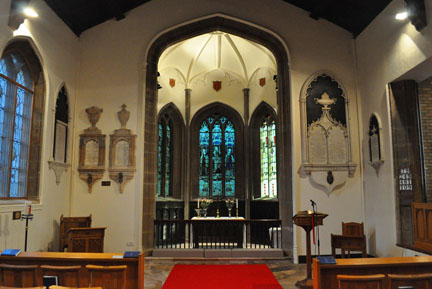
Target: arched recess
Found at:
170, 115
24, 48
248, 31
235, 118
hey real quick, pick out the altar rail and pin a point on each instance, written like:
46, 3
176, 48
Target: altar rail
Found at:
217, 234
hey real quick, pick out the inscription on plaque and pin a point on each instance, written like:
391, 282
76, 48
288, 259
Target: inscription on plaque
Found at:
318, 145
122, 153
405, 180
336, 146
91, 153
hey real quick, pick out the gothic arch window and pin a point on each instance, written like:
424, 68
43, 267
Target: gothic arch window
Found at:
61, 127
21, 113
264, 152
170, 151
216, 152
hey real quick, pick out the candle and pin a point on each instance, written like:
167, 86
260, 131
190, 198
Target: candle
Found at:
198, 203
29, 210
236, 203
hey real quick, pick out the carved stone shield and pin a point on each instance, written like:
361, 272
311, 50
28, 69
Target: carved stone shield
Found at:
172, 82
217, 85
262, 81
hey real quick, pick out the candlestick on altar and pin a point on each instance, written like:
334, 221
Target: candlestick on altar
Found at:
236, 203
198, 203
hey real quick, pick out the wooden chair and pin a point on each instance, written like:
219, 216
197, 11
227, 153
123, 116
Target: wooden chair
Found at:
352, 239
18, 275
361, 281
67, 223
67, 275
352, 229
108, 277
423, 281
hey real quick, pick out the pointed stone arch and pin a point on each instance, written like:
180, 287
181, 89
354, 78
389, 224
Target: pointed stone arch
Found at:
246, 30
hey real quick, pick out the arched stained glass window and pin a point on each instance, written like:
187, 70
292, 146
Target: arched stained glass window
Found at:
268, 158
217, 159
165, 148
16, 101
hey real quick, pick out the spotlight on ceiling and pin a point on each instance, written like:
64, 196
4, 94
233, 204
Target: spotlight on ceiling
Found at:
30, 12
402, 15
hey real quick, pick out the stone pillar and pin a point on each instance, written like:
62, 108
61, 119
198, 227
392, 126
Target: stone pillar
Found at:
247, 170
186, 168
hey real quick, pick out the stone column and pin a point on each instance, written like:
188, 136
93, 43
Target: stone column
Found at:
247, 170
187, 151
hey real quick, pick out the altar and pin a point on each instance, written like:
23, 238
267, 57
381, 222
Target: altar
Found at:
222, 232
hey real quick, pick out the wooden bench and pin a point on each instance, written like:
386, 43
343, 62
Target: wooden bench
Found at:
325, 275
134, 270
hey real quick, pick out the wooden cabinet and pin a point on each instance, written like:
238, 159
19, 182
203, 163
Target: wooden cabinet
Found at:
86, 239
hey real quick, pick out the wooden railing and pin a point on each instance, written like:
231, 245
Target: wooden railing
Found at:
422, 225
217, 234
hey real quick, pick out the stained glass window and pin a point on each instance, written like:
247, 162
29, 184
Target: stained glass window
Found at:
268, 158
217, 158
16, 101
165, 158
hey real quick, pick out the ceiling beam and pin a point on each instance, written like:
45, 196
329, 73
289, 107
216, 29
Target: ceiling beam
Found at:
319, 6
16, 15
417, 13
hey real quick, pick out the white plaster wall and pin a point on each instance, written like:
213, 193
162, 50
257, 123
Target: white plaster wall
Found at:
386, 51
58, 50
112, 71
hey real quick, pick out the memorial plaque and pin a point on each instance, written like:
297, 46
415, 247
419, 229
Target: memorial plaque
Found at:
91, 153
337, 146
405, 180
374, 148
122, 154
60, 142
317, 145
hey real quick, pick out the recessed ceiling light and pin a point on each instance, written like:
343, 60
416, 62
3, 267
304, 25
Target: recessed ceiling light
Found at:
30, 12
402, 15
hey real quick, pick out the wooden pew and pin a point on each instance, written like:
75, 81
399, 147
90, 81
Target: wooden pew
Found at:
325, 275
134, 271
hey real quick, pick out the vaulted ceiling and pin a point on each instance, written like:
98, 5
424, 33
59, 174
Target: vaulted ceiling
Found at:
352, 15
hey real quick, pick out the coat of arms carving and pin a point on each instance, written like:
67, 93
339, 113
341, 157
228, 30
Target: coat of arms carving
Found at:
217, 85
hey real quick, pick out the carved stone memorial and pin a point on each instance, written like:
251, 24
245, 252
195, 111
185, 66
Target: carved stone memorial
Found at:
326, 140
92, 150
122, 152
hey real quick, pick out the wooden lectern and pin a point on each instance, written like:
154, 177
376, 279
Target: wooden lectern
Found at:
304, 220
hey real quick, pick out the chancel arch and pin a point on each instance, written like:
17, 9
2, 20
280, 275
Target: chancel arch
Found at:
279, 51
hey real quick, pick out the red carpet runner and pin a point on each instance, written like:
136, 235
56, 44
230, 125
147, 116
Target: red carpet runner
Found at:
221, 277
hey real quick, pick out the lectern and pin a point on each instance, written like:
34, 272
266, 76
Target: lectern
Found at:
304, 220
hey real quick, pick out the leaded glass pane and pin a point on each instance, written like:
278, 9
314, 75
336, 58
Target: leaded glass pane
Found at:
204, 177
217, 159
21, 143
159, 184
268, 159
229, 160
168, 160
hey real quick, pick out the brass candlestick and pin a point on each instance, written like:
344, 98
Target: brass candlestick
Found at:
237, 213
217, 213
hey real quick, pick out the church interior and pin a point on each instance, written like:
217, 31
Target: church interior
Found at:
206, 130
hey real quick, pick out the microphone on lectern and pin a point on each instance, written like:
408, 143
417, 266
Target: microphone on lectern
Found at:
312, 203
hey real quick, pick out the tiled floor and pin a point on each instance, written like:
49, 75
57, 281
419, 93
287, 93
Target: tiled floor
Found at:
156, 270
